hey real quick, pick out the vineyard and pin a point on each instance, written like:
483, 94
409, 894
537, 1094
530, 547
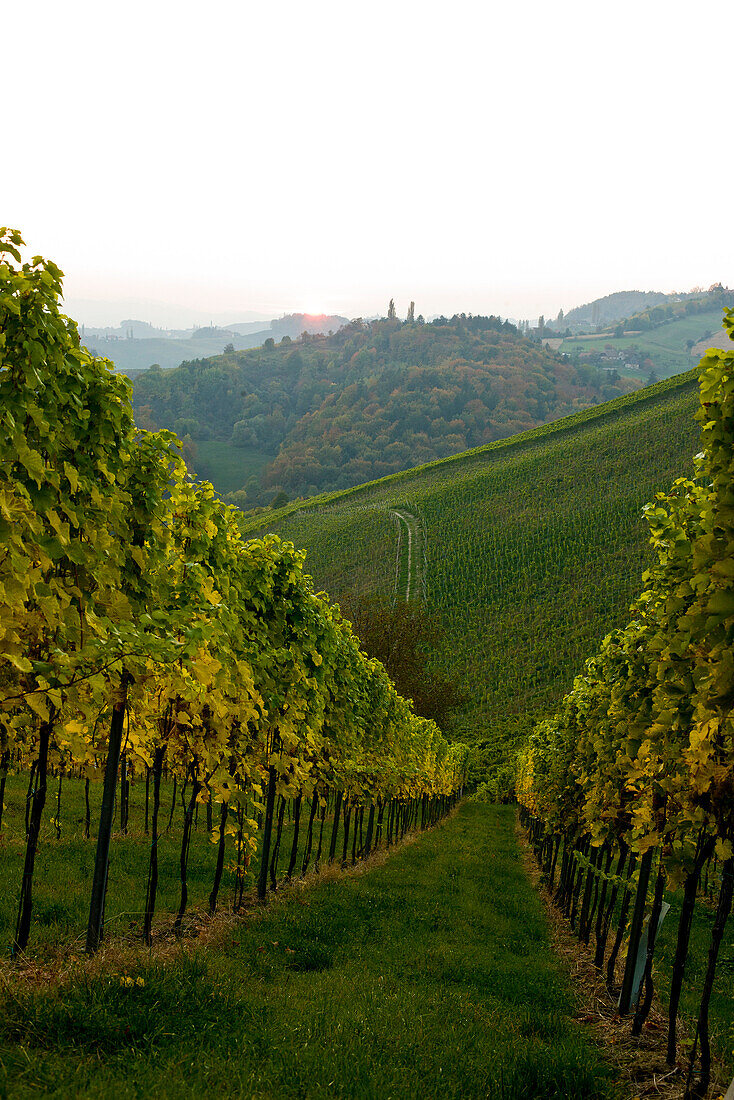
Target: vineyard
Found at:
628, 788
143, 638
534, 551
533, 548
424, 972
189, 727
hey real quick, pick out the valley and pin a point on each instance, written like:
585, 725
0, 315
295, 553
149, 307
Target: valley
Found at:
535, 547
195, 745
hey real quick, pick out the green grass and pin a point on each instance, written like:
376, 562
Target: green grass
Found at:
428, 976
227, 467
665, 345
65, 866
535, 546
722, 997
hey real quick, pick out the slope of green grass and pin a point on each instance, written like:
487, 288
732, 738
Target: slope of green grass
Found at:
664, 345
535, 545
430, 975
61, 893
227, 467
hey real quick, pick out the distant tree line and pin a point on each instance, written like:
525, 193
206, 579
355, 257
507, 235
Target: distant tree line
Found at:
717, 296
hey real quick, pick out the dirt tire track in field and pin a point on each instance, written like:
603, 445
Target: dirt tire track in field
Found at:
412, 526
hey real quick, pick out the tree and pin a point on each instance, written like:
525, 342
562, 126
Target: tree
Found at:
238, 498
391, 311
400, 635
186, 425
244, 433
411, 314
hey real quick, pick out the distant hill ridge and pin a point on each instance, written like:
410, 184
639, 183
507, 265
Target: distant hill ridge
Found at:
328, 412
134, 345
612, 308
625, 305
656, 342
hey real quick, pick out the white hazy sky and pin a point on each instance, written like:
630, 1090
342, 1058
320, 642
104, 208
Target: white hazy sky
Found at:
511, 157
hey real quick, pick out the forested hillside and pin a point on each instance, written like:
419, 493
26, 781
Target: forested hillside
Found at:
528, 551
611, 308
372, 399
637, 309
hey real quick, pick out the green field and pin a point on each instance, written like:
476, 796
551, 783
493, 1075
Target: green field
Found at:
534, 546
227, 467
665, 345
430, 975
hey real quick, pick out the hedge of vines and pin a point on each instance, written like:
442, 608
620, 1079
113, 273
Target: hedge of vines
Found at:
632, 781
135, 622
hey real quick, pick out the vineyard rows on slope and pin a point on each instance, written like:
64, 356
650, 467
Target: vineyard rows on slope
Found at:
423, 975
534, 547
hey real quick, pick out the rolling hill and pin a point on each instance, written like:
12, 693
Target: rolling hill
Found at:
663, 337
135, 346
527, 551
134, 356
611, 308
374, 398
624, 305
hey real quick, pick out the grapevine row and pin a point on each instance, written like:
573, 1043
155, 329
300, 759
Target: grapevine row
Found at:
136, 623
633, 779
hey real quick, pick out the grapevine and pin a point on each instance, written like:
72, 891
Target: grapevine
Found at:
640, 756
138, 625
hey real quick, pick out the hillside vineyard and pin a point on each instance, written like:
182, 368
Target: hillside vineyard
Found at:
164, 655
533, 548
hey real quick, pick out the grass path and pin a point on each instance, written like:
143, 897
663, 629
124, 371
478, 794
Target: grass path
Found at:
428, 976
407, 568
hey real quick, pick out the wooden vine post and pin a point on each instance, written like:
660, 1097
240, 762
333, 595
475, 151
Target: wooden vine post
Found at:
106, 817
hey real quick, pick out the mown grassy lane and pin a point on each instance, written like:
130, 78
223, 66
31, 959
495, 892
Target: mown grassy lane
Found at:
428, 976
